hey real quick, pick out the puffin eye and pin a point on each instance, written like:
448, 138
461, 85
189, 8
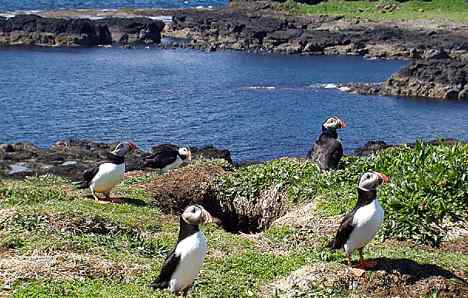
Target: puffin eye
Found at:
368, 176
194, 210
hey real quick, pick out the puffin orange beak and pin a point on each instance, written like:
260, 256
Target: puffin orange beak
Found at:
208, 218
189, 157
384, 178
132, 146
343, 124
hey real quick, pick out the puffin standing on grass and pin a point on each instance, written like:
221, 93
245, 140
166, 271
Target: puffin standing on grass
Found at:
360, 225
167, 157
183, 263
103, 177
328, 150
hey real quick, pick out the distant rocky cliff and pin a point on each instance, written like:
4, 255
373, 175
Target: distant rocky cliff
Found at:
33, 30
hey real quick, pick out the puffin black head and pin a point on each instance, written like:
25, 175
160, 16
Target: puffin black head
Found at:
123, 148
185, 153
333, 123
196, 215
371, 180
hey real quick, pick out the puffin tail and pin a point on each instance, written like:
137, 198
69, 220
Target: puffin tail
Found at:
156, 284
333, 245
80, 184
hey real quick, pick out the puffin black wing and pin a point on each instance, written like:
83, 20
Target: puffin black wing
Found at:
88, 175
167, 269
336, 152
344, 231
162, 156
327, 152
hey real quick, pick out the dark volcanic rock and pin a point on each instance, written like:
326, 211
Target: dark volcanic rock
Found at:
210, 152
260, 30
134, 30
374, 146
35, 30
69, 158
441, 78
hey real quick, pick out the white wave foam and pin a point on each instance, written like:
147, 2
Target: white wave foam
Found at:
329, 86
261, 87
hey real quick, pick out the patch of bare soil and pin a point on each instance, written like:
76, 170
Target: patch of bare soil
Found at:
177, 189
390, 278
306, 217
64, 266
193, 184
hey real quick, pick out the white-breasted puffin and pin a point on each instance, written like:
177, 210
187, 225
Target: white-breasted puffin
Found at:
167, 157
104, 176
359, 227
328, 150
184, 262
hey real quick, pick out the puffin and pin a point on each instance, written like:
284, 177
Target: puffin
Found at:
167, 157
359, 227
108, 173
183, 263
328, 150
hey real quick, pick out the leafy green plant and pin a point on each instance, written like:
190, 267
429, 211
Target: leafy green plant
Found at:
429, 187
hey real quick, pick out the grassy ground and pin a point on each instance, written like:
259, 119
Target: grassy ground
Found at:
451, 10
56, 241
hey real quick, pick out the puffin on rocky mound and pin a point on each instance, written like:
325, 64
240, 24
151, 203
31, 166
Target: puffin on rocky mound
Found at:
359, 227
183, 263
328, 150
167, 157
104, 176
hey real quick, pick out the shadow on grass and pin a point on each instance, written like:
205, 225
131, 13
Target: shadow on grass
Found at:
121, 200
414, 270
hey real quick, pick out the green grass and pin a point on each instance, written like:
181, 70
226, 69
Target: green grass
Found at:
45, 216
446, 10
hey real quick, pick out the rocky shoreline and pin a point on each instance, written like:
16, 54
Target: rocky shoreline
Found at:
439, 50
34, 30
69, 158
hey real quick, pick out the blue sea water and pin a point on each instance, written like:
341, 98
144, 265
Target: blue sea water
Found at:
12, 5
257, 106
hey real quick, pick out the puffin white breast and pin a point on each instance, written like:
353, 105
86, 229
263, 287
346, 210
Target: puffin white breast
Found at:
192, 251
107, 177
366, 221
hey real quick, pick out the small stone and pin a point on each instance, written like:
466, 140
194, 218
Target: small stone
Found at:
463, 95
451, 94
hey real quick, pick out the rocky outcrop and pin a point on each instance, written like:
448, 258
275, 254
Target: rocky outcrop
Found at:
133, 30
264, 30
69, 158
374, 146
33, 30
445, 79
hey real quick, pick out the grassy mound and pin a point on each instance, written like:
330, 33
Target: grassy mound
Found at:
56, 241
427, 194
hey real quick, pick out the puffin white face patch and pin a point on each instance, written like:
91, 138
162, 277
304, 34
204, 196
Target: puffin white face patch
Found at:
334, 122
193, 214
369, 181
185, 153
